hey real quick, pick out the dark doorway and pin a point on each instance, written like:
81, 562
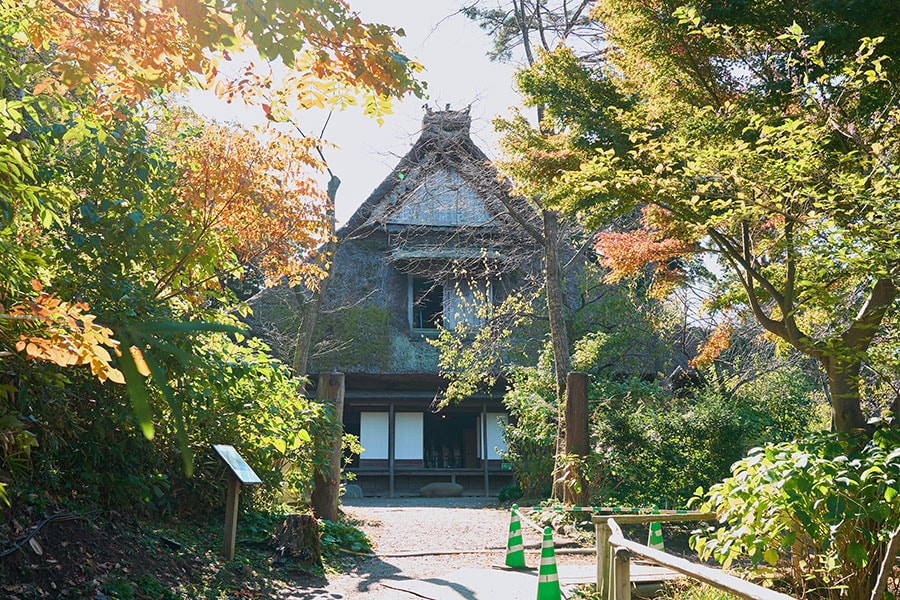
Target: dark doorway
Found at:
450, 441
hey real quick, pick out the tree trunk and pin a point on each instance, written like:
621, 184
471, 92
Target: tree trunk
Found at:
559, 335
843, 384
298, 537
327, 482
303, 340
576, 492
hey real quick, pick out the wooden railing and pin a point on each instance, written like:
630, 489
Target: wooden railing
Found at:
614, 554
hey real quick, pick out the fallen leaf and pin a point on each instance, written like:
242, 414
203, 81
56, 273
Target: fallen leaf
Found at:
35, 546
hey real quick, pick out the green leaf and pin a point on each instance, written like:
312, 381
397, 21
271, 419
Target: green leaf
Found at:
858, 554
879, 511
789, 539
771, 556
162, 382
137, 390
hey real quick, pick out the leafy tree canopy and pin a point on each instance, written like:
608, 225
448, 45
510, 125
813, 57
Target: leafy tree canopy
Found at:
122, 218
753, 133
73, 74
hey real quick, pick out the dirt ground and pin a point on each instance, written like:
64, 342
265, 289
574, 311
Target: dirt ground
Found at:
114, 558
419, 538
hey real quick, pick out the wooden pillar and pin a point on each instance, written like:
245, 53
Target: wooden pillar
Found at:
327, 483
231, 512
392, 431
602, 533
575, 492
622, 577
484, 449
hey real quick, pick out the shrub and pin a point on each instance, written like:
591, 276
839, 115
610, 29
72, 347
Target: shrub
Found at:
509, 493
531, 434
244, 398
829, 500
657, 449
80, 442
338, 537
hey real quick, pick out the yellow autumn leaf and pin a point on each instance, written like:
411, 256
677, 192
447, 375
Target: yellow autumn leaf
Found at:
115, 375
139, 361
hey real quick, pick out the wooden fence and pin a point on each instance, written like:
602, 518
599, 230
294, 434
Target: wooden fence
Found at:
614, 554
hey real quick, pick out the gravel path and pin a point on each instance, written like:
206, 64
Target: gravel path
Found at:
409, 525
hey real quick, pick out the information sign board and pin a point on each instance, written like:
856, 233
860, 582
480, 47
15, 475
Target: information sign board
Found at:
238, 465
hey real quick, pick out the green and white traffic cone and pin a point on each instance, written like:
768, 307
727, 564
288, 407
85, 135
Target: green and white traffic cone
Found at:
655, 538
515, 548
548, 577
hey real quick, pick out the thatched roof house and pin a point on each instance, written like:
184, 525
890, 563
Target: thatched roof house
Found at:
429, 243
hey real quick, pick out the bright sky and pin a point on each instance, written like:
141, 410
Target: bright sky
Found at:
453, 50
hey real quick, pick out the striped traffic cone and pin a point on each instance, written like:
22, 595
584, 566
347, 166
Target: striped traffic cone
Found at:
655, 538
515, 548
548, 577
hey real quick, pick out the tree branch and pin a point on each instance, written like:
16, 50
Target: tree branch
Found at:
887, 566
747, 266
519, 12
579, 254
860, 334
519, 218
786, 328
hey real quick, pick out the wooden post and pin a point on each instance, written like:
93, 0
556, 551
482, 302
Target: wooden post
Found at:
392, 447
239, 472
484, 449
577, 437
327, 483
622, 577
231, 512
602, 533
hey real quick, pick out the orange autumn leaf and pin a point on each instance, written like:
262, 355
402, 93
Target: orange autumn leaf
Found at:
124, 50
715, 344
626, 253
257, 196
64, 334
139, 361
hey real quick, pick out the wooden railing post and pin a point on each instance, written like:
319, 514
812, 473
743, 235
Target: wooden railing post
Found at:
622, 576
621, 549
602, 533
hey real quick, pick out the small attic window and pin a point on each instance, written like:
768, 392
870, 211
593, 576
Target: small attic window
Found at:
426, 303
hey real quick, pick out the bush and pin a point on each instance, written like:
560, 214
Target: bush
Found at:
79, 442
509, 493
531, 433
651, 448
339, 537
657, 449
243, 397
828, 500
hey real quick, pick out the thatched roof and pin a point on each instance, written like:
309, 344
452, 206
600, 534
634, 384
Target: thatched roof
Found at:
443, 156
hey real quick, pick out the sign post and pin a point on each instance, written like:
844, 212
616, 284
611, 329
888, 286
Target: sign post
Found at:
238, 472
